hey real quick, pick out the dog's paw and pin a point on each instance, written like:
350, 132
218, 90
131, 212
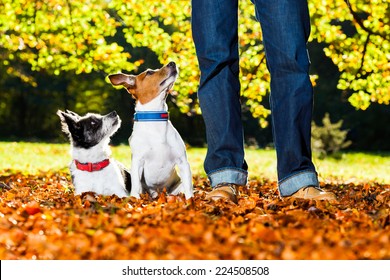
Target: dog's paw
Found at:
136, 195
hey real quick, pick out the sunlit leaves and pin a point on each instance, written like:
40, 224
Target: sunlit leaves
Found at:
59, 35
78, 36
41, 219
358, 39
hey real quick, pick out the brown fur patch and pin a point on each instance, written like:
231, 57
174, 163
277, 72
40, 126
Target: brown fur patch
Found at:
147, 85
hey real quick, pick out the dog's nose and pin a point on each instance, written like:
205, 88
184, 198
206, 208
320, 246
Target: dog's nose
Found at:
113, 114
171, 64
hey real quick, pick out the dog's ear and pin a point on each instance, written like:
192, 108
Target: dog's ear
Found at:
128, 81
68, 121
73, 114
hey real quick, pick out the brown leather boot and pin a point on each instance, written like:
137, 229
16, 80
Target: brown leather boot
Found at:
314, 193
224, 190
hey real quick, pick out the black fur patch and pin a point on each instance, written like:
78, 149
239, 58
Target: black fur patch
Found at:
86, 132
126, 176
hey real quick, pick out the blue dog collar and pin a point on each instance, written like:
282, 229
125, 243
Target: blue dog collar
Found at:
151, 116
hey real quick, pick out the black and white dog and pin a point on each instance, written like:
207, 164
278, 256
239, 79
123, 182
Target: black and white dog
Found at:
91, 168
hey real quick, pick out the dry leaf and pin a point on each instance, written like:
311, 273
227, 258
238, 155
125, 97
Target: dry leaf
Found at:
41, 218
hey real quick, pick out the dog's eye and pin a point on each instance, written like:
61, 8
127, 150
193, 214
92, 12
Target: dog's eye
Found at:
149, 72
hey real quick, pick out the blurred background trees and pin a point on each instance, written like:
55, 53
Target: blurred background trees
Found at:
57, 54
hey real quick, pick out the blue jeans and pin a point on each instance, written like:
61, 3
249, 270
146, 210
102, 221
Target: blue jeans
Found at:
286, 28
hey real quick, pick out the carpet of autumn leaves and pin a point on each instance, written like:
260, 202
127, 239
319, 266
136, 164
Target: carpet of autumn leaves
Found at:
41, 218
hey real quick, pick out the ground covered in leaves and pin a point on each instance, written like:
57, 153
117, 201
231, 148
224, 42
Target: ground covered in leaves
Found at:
41, 218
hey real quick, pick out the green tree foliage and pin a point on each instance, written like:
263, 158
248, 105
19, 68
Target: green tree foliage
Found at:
61, 35
357, 35
57, 36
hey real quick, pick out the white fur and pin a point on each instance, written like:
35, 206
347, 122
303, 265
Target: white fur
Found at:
107, 181
157, 150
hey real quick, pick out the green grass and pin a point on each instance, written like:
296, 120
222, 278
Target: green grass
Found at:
33, 158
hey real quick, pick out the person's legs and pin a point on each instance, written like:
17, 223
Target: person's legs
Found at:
286, 28
214, 25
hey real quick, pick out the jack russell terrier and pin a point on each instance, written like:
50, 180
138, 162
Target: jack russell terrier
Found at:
92, 169
157, 148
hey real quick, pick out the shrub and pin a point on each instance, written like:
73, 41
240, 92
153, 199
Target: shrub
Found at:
329, 138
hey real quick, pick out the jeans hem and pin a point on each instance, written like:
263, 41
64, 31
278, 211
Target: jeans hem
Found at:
230, 175
297, 181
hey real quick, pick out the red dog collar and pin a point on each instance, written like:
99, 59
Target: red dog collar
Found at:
90, 167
